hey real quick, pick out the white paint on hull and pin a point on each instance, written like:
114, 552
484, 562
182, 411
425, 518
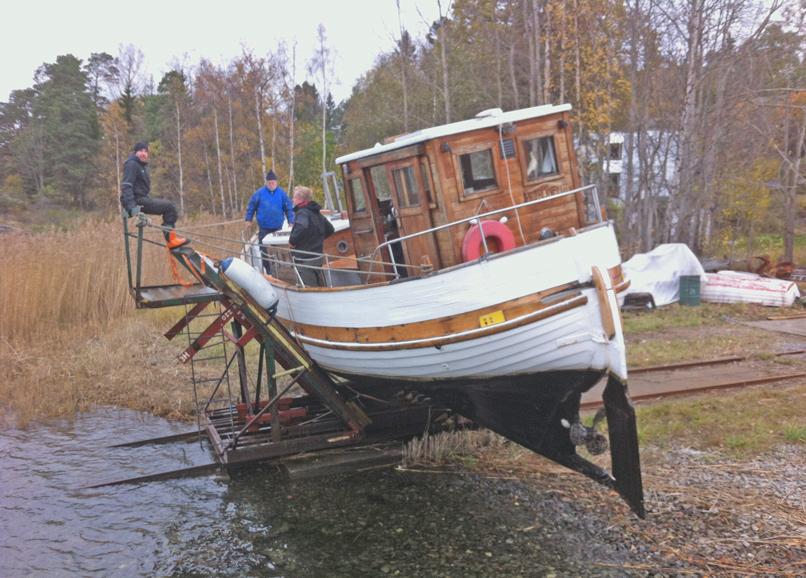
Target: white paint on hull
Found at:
501, 278
573, 340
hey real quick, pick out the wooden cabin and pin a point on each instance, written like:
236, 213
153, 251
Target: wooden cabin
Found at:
447, 173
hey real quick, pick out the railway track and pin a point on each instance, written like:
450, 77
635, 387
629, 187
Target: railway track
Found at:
677, 379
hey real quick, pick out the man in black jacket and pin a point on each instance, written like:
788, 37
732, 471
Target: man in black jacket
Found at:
134, 190
308, 236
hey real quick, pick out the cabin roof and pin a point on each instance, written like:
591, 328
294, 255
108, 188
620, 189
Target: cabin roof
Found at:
485, 119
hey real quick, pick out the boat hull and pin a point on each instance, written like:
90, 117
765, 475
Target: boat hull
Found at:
534, 310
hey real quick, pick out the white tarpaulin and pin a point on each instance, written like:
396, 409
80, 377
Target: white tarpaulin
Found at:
736, 287
658, 272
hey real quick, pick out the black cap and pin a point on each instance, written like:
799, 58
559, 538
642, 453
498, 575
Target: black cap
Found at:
140, 146
270, 176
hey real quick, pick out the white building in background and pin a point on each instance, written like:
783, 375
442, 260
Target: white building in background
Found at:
654, 175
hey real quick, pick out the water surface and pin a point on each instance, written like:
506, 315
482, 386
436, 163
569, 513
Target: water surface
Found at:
256, 523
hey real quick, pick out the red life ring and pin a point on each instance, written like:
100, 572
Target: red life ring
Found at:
499, 239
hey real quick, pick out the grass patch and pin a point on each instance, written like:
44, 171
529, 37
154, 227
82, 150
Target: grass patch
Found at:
674, 334
745, 422
795, 433
676, 316
670, 348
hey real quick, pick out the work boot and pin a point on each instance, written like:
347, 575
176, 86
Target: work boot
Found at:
173, 240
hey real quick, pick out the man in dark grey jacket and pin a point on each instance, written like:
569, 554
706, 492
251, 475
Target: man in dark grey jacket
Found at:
134, 194
308, 236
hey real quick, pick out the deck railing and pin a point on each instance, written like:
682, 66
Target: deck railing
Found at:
361, 269
476, 220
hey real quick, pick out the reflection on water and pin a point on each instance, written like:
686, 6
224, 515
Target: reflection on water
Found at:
373, 524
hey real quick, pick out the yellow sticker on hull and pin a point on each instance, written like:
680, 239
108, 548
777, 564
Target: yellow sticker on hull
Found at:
492, 318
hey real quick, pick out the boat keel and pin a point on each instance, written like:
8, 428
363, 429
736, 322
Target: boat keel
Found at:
536, 412
623, 431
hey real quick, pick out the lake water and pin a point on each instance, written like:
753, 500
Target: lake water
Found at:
256, 523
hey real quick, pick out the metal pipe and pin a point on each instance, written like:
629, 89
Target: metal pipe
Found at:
140, 229
259, 374
237, 330
126, 236
483, 238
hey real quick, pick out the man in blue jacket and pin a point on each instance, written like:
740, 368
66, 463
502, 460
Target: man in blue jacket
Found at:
272, 206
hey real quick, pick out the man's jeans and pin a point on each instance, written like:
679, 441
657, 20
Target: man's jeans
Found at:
263, 250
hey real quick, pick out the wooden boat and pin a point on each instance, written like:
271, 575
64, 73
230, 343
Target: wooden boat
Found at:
487, 277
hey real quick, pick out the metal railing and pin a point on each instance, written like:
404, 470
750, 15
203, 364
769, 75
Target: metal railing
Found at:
367, 267
283, 256
476, 219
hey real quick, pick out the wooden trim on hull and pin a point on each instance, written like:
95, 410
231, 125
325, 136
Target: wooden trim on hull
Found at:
421, 334
464, 321
608, 322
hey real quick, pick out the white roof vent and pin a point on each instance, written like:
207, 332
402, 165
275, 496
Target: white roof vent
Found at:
490, 112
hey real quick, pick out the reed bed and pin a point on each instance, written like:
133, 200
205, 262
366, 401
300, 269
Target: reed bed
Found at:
57, 279
70, 336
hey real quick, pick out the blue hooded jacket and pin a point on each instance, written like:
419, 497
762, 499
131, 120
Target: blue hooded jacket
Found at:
271, 206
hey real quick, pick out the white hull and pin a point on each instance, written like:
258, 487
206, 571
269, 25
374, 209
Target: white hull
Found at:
567, 332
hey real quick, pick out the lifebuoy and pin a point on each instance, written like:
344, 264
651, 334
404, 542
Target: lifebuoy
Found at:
499, 238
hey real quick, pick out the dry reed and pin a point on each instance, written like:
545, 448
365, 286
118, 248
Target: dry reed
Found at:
446, 447
70, 336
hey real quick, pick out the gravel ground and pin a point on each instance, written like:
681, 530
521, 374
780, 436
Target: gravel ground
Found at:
706, 515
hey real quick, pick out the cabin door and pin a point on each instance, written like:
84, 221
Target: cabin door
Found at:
384, 211
412, 211
362, 220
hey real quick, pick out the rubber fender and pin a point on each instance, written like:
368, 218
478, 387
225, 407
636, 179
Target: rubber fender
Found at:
497, 234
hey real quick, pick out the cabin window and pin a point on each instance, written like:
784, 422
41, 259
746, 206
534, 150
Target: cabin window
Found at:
540, 158
615, 151
357, 195
477, 171
380, 183
406, 187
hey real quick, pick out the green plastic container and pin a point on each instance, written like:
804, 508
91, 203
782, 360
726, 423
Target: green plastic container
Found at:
689, 290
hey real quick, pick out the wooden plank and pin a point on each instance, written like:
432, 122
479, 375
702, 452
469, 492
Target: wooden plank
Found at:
434, 327
180, 437
457, 337
341, 461
201, 470
606, 314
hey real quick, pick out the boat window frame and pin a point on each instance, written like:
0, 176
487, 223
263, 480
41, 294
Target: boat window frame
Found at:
428, 181
351, 193
523, 157
411, 165
490, 147
371, 177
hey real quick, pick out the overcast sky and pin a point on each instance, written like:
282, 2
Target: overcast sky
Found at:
37, 31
